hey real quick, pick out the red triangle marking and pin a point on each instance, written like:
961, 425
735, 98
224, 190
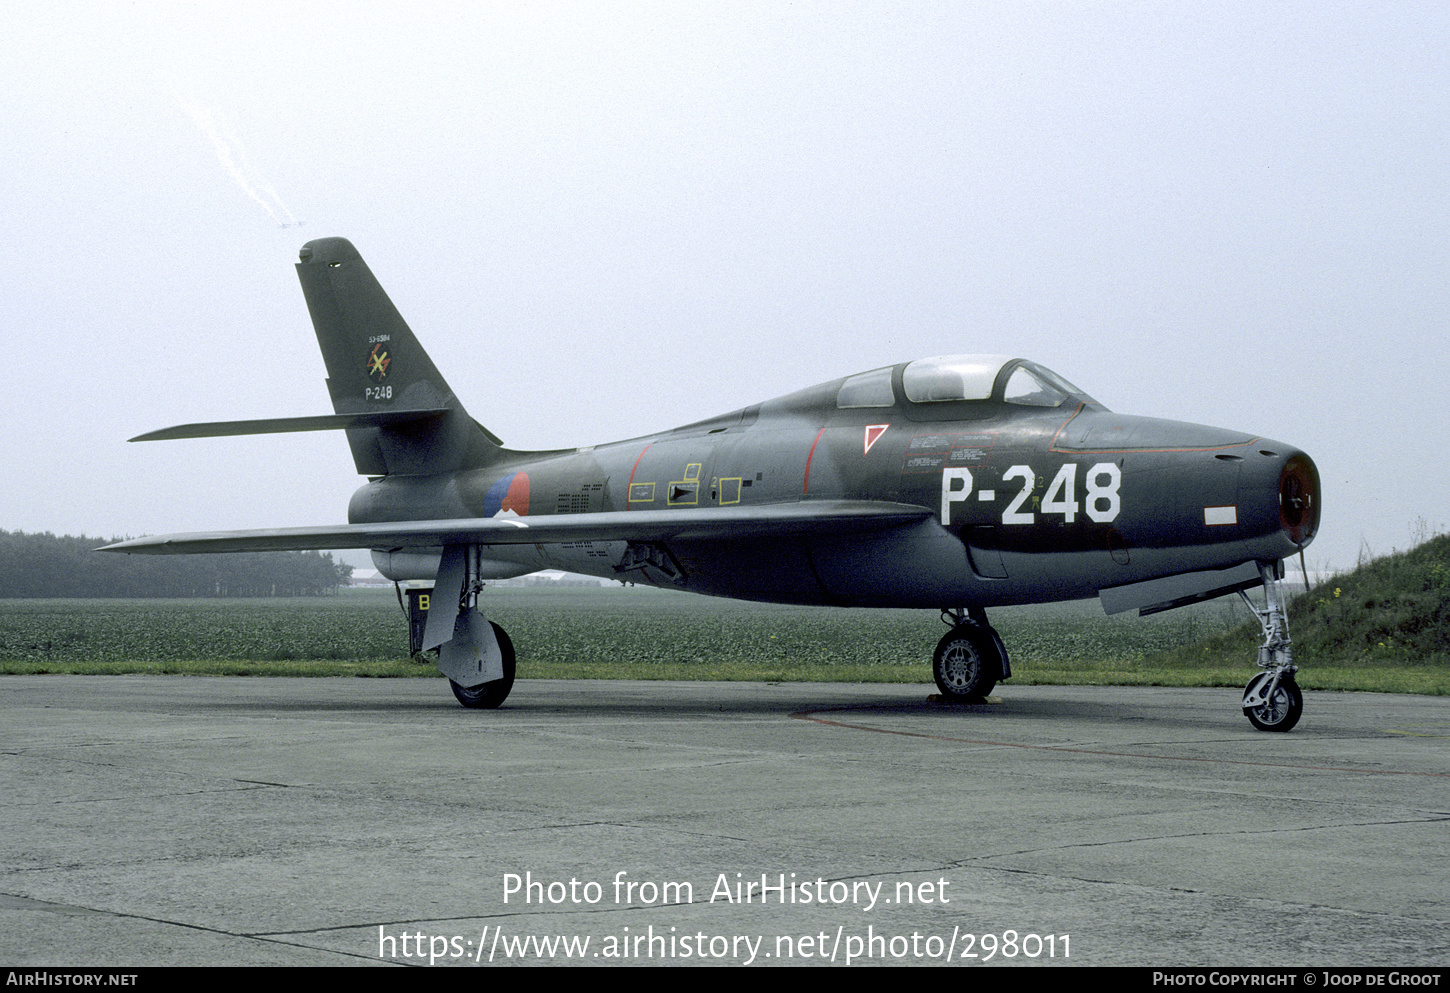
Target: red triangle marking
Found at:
873, 432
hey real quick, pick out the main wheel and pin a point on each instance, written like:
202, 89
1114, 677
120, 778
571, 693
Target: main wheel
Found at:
488, 696
965, 663
1282, 710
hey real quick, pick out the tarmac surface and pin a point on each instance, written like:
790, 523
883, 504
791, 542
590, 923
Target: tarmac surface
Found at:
215, 821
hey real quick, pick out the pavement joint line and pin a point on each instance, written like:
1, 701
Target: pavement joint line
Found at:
12, 901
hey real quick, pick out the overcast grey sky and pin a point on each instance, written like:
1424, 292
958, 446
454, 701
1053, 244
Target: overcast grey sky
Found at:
608, 219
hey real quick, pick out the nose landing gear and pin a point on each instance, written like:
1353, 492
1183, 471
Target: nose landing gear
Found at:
1272, 700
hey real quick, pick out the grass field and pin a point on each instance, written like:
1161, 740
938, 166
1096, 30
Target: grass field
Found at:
641, 633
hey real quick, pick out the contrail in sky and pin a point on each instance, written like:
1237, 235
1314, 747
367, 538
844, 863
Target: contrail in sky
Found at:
233, 157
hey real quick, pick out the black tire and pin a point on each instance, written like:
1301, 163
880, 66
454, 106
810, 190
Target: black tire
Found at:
965, 664
489, 696
1282, 711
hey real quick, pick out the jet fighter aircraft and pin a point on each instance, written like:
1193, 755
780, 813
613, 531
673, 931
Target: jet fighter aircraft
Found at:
954, 483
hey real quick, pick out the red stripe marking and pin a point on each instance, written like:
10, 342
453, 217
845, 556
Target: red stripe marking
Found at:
806, 488
628, 487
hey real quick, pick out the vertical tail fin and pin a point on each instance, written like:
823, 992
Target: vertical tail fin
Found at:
375, 365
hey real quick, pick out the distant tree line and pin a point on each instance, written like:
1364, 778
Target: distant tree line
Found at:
43, 565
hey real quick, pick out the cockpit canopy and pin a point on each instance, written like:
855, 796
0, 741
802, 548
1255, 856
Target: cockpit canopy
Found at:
957, 378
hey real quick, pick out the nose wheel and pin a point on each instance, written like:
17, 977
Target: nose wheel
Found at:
1277, 706
1272, 700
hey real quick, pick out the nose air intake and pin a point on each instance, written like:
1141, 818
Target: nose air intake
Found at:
1299, 499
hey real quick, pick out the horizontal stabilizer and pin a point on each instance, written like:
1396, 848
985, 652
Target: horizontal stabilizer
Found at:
283, 425
834, 517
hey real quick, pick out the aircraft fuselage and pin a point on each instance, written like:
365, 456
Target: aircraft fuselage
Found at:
1049, 503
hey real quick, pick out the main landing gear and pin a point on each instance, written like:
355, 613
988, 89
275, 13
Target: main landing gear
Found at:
970, 660
1272, 700
475, 654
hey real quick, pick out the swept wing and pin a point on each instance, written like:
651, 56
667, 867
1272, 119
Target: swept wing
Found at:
705, 523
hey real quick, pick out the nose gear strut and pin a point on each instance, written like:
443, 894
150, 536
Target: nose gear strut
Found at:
1272, 700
